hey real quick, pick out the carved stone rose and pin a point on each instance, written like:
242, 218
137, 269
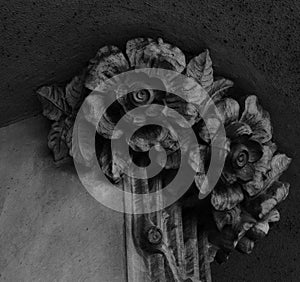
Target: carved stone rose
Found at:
243, 203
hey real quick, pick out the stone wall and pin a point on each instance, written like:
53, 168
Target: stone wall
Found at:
255, 43
51, 228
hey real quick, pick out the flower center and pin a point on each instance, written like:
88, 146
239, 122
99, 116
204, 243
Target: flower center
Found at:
141, 97
240, 156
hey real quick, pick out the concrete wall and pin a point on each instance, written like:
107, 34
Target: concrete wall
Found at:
51, 229
256, 43
44, 41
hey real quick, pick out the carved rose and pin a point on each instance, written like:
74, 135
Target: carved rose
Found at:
248, 191
243, 202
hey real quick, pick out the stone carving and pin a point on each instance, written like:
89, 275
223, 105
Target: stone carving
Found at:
179, 242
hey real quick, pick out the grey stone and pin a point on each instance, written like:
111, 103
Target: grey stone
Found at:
51, 229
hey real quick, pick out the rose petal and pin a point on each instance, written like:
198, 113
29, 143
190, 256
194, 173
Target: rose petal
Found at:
228, 110
209, 130
226, 197
229, 176
202, 184
172, 162
197, 158
147, 53
108, 62
256, 185
146, 137
254, 150
230, 217
245, 173
237, 129
245, 245
258, 119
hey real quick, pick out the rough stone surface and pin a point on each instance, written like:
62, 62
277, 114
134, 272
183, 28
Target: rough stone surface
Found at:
51, 228
256, 43
46, 41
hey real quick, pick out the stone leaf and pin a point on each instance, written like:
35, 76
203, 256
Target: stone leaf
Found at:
200, 68
228, 110
279, 164
108, 62
219, 89
230, 217
258, 119
245, 245
147, 53
264, 203
54, 103
197, 157
76, 91
57, 139
262, 227
226, 197
257, 184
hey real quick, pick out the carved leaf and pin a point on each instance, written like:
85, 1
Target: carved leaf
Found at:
264, 203
76, 91
200, 68
96, 113
209, 130
191, 103
279, 164
226, 197
256, 185
54, 102
219, 89
135, 49
188, 112
191, 91
245, 245
228, 110
57, 139
150, 135
230, 217
237, 129
147, 53
202, 184
272, 216
113, 164
109, 61
261, 229
197, 158
247, 221
258, 119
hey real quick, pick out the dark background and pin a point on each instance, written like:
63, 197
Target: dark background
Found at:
255, 43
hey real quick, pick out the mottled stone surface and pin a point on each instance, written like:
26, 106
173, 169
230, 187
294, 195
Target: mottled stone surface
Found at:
51, 228
255, 43
45, 41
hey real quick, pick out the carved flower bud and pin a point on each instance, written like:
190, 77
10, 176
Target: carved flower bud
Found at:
141, 97
245, 245
239, 155
154, 235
